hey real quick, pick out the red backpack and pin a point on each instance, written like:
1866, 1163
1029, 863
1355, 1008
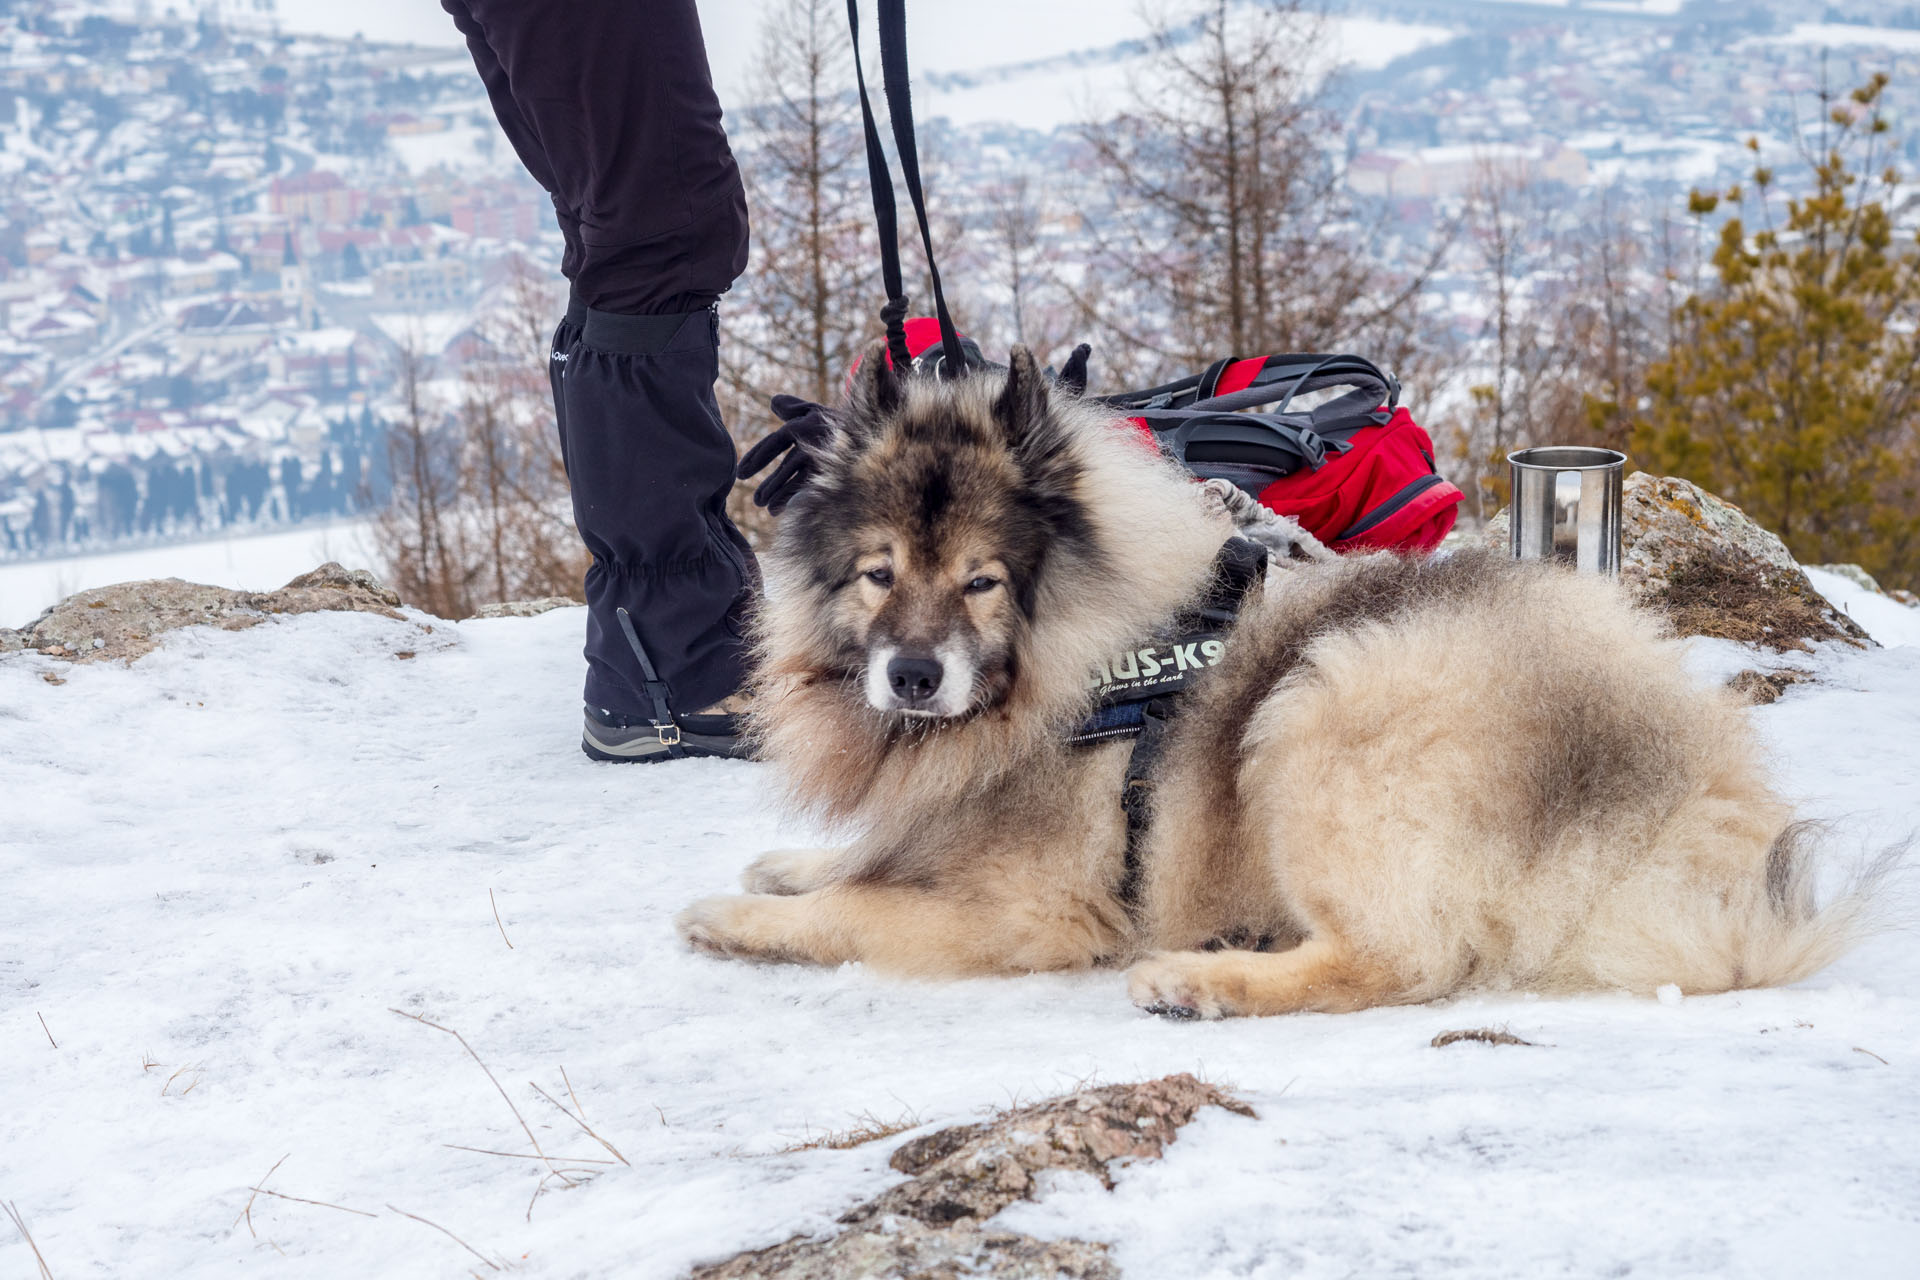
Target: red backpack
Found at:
1357, 472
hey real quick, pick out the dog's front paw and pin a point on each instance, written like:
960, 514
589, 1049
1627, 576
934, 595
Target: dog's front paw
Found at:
733, 926
1175, 984
784, 872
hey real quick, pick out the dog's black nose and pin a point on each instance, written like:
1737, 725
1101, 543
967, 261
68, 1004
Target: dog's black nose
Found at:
913, 680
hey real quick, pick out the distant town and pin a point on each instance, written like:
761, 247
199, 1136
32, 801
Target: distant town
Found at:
214, 247
218, 244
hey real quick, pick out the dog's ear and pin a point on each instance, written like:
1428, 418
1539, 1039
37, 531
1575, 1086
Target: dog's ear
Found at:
875, 393
1022, 406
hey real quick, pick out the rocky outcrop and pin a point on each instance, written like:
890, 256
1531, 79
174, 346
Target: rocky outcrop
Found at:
1712, 570
1860, 577
1757, 688
524, 608
933, 1226
126, 621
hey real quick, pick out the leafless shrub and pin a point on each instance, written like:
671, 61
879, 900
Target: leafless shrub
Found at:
1228, 231
479, 509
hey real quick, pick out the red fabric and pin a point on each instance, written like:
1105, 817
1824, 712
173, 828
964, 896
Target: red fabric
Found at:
1383, 463
922, 332
1239, 375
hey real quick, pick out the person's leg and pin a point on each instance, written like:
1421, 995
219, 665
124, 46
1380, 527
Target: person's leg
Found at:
613, 111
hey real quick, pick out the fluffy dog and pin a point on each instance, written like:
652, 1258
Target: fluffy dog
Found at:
1406, 778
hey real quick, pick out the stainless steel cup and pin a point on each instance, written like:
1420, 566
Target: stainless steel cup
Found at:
1566, 506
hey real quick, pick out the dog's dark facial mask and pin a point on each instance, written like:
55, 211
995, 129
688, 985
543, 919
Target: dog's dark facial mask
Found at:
929, 533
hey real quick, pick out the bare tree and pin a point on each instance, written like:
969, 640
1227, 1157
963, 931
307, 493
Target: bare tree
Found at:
802, 311
513, 479
1228, 228
1571, 326
1506, 236
1022, 263
479, 509
414, 530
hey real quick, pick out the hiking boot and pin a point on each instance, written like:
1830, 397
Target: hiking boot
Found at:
623, 739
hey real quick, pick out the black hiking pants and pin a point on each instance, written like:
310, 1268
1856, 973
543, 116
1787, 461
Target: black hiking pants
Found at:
610, 105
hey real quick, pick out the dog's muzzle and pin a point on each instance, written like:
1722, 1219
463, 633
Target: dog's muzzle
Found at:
919, 684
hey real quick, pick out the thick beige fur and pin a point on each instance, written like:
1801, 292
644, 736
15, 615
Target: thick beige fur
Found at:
1407, 779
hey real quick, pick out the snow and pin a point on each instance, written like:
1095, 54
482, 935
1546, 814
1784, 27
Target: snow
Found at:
245, 561
1062, 87
225, 864
1885, 619
468, 149
1847, 35
1370, 43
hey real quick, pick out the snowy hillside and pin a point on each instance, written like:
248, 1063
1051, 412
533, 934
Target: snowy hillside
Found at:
226, 865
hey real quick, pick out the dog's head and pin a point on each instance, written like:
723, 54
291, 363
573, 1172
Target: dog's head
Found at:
926, 539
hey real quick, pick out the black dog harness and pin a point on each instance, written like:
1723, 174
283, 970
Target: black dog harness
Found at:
1140, 688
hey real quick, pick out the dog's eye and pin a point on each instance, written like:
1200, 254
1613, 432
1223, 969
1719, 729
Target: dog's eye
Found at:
982, 583
881, 577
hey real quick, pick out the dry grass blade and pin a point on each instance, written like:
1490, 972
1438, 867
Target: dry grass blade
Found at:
43, 1027
281, 1195
1481, 1035
519, 1155
524, 1126
867, 1128
1871, 1054
541, 1189
247, 1212
491, 1264
20, 1225
496, 919
584, 1128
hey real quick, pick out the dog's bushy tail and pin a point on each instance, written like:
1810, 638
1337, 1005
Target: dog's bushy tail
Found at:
1764, 930
1790, 934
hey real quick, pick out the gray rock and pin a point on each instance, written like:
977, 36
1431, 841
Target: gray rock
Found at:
1757, 688
1852, 573
524, 608
909, 1250
933, 1226
126, 621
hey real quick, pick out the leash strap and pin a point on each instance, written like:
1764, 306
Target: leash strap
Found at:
886, 214
663, 724
1136, 793
1239, 564
1281, 378
894, 77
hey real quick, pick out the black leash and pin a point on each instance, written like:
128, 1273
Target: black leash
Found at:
893, 72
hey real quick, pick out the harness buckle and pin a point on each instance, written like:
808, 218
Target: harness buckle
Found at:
668, 733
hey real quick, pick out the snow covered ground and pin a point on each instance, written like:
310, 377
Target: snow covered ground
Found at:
223, 866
